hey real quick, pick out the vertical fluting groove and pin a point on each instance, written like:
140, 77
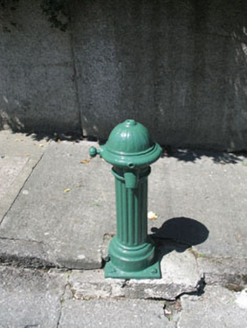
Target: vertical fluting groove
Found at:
136, 216
140, 214
144, 211
125, 213
145, 214
118, 207
130, 215
130, 219
122, 204
133, 216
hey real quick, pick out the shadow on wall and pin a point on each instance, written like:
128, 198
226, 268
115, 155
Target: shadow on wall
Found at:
16, 126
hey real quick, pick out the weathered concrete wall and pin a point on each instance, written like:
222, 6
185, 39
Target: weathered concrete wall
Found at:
37, 89
179, 67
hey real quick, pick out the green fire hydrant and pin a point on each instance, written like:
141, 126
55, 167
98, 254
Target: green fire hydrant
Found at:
132, 253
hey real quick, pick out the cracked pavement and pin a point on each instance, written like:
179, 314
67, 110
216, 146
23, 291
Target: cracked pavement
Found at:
57, 214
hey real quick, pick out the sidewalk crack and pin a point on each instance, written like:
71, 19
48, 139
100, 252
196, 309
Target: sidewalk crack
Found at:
21, 189
63, 299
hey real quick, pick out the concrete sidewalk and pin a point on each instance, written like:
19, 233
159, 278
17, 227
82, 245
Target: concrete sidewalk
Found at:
57, 217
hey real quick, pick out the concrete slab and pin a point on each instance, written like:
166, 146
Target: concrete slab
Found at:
37, 298
201, 201
19, 154
217, 308
30, 298
114, 313
231, 273
20, 144
66, 205
25, 253
10, 168
64, 216
179, 275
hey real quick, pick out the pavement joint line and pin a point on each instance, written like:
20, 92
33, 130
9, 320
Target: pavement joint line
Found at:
50, 265
62, 299
24, 240
18, 260
200, 287
25, 181
29, 261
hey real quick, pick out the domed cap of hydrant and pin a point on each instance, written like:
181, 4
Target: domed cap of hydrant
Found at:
129, 146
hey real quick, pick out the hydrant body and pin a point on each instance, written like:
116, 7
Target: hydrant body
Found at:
132, 253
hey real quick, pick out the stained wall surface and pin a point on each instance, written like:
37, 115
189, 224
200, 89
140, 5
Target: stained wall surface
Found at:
37, 89
178, 67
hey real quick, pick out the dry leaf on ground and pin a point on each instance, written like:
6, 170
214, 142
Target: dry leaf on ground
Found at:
85, 161
152, 215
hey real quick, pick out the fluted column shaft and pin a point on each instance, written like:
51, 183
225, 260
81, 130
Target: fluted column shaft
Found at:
131, 208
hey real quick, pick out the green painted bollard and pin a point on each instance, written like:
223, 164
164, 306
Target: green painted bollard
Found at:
132, 253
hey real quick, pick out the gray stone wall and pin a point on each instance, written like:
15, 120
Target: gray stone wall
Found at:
178, 67
37, 89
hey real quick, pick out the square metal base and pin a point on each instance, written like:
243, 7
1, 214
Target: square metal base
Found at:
151, 272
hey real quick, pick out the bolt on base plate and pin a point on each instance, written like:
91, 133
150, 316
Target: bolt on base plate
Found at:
151, 272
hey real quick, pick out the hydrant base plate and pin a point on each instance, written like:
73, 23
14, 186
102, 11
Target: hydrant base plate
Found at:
151, 272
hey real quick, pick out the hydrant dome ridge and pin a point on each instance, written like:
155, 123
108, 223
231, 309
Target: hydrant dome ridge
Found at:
128, 142
129, 137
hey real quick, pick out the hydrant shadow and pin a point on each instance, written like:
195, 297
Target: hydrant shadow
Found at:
179, 234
